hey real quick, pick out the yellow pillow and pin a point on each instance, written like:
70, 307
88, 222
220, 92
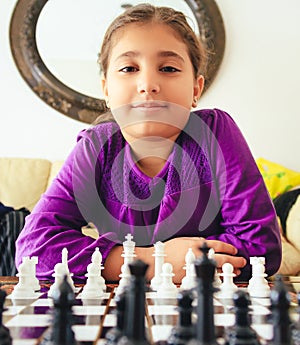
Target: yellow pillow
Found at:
278, 179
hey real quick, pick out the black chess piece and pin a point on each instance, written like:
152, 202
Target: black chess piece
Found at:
296, 326
5, 338
242, 333
184, 330
135, 332
280, 305
205, 327
114, 334
60, 332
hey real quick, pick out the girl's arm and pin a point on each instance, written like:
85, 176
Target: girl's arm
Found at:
57, 219
248, 219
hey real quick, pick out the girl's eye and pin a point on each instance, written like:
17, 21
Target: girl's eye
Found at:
128, 69
169, 69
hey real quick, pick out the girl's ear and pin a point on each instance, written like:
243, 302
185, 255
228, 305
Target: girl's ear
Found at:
199, 86
104, 87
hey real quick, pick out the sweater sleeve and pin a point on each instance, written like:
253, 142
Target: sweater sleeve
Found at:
248, 219
58, 217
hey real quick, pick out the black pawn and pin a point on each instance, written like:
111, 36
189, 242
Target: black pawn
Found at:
185, 330
205, 271
242, 333
280, 305
60, 332
114, 334
135, 333
5, 338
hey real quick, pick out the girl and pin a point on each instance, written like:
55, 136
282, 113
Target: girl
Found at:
157, 170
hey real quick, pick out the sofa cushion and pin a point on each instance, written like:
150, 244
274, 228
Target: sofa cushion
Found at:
23, 180
283, 204
55, 167
293, 226
290, 264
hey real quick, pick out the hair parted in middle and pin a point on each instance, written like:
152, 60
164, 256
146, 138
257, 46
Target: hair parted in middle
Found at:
146, 13
143, 14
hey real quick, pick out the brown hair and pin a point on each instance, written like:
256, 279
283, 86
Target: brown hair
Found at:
145, 13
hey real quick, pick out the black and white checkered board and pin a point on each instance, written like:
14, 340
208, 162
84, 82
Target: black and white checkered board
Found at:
28, 319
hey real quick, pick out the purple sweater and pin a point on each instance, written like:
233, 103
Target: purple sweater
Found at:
210, 186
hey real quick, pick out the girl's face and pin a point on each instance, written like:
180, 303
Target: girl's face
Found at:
150, 84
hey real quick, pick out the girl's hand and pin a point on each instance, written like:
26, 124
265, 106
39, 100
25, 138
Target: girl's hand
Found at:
177, 248
225, 252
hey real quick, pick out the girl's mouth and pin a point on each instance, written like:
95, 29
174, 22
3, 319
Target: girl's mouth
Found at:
149, 106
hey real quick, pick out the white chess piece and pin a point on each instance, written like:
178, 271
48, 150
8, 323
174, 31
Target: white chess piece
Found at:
258, 285
167, 289
159, 258
128, 249
61, 269
227, 288
217, 279
92, 289
128, 255
32, 262
125, 279
189, 281
64, 262
24, 288
97, 260
35, 281
256, 261
59, 273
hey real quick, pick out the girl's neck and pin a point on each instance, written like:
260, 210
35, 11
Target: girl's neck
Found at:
151, 154
151, 166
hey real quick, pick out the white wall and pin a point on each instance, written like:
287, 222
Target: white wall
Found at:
258, 84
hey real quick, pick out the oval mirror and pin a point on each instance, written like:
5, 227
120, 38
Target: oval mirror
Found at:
57, 54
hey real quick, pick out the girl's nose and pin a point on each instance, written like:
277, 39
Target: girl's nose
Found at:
147, 84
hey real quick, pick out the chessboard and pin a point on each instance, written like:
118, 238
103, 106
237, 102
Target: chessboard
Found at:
28, 319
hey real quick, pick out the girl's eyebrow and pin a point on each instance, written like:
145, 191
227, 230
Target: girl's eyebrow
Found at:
162, 53
170, 53
130, 53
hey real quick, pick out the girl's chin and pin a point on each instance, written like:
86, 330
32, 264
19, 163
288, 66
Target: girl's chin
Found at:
151, 131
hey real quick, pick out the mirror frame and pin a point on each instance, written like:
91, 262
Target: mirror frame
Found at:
22, 35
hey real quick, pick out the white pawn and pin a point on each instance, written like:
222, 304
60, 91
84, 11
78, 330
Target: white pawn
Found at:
91, 289
59, 273
159, 255
217, 280
227, 288
189, 281
97, 260
258, 285
24, 288
167, 288
125, 279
